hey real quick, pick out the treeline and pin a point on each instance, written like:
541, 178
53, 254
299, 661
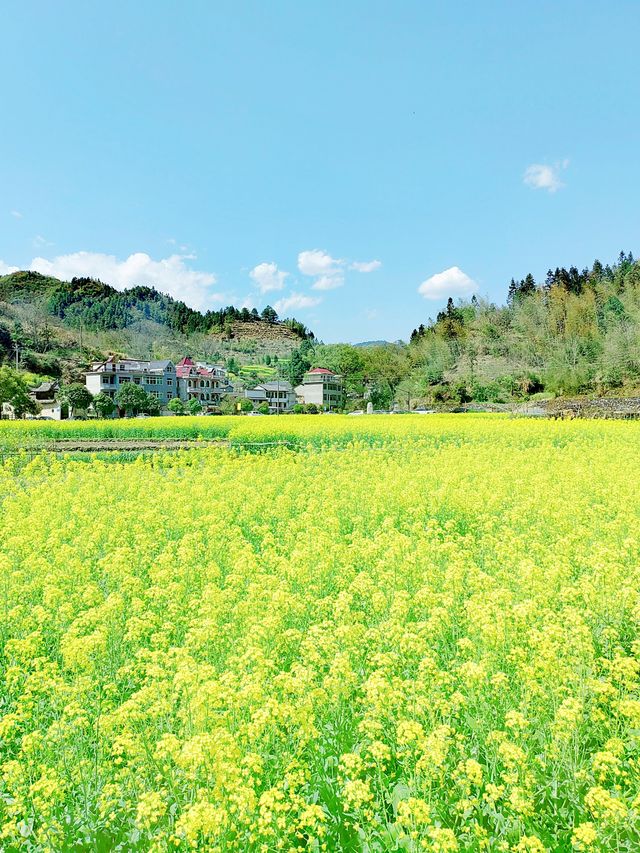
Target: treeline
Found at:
576, 332
98, 306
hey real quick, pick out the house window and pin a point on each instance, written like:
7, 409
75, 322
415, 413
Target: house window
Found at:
169, 395
169, 381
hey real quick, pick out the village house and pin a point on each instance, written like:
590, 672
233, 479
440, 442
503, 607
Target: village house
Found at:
45, 396
278, 395
207, 383
187, 380
322, 387
158, 378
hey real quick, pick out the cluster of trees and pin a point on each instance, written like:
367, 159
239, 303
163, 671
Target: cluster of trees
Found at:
192, 407
572, 280
15, 390
130, 399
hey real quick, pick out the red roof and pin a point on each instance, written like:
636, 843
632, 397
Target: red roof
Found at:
183, 367
321, 370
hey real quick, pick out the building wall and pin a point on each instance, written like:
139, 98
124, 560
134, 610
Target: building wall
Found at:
93, 383
281, 401
160, 383
311, 393
326, 393
208, 390
51, 410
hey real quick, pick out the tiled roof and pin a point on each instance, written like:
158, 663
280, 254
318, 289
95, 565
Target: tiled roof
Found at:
44, 387
283, 385
321, 370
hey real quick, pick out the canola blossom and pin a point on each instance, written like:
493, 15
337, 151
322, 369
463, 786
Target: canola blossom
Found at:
402, 634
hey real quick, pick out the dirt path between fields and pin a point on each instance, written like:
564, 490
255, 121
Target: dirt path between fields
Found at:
122, 445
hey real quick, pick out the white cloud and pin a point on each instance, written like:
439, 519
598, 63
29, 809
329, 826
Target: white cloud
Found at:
365, 266
318, 262
371, 313
328, 282
296, 302
169, 275
329, 271
450, 282
5, 269
16, 214
268, 277
540, 176
39, 242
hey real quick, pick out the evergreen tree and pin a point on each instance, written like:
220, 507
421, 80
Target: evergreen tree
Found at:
297, 367
269, 314
527, 285
77, 396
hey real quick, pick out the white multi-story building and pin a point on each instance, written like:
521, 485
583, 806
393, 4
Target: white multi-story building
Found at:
322, 387
158, 378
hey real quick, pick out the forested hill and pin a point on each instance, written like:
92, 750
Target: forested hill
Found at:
578, 331
98, 306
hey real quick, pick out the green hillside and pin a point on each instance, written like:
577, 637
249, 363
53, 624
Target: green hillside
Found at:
58, 327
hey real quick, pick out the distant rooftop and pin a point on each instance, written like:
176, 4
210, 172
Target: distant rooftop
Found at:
321, 370
278, 385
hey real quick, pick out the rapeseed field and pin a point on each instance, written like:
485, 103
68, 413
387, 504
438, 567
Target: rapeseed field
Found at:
401, 634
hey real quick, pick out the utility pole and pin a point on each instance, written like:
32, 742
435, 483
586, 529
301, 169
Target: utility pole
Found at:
17, 349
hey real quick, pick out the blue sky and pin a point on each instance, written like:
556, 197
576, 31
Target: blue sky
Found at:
351, 162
